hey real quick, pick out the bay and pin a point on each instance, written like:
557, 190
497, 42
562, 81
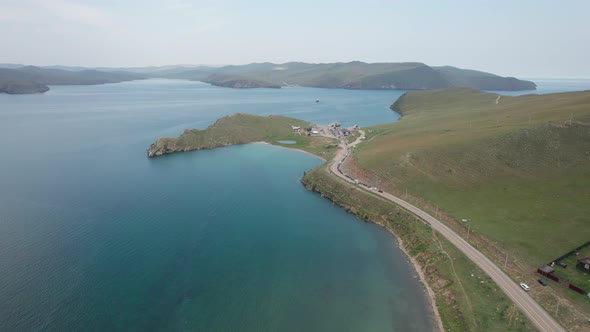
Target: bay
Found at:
96, 236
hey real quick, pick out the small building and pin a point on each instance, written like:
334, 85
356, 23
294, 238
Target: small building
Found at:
315, 132
296, 129
547, 269
584, 264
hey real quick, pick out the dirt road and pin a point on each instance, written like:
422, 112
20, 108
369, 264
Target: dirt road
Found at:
537, 315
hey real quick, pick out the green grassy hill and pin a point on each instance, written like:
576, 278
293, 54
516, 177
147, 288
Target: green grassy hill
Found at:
519, 169
245, 128
510, 174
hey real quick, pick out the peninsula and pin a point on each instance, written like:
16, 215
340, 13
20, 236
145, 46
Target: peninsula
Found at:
241, 129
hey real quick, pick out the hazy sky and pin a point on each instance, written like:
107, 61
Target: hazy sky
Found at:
514, 38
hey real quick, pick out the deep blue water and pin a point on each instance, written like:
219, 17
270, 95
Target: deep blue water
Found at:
95, 236
552, 85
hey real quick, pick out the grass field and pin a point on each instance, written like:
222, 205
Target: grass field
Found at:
517, 169
323, 147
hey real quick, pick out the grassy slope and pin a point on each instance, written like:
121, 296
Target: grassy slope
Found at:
501, 165
245, 128
518, 169
466, 298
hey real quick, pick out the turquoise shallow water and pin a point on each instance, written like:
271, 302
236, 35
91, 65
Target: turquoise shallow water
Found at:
95, 236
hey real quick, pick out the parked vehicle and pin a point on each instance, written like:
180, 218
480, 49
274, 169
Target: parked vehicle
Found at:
542, 282
525, 287
562, 264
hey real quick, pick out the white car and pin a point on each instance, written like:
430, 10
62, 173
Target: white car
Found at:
524, 286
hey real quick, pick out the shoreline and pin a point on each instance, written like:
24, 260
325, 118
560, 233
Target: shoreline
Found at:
431, 297
413, 263
416, 266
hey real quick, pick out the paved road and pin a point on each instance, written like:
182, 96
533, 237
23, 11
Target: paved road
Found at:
537, 315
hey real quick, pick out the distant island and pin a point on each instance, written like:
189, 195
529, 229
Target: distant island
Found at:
15, 87
31, 79
238, 82
350, 75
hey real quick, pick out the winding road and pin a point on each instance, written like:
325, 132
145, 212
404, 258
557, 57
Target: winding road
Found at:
536, 314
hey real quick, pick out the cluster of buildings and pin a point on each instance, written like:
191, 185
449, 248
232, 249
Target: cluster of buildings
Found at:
309, 130
333, 128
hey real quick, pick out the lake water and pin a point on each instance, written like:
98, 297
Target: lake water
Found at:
95, 236
552, 85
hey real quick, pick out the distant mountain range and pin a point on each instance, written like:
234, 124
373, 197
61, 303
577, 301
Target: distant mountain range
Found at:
351, 75
360, 75
30, 79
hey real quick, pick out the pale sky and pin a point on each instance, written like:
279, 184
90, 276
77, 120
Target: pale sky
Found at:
511, 38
